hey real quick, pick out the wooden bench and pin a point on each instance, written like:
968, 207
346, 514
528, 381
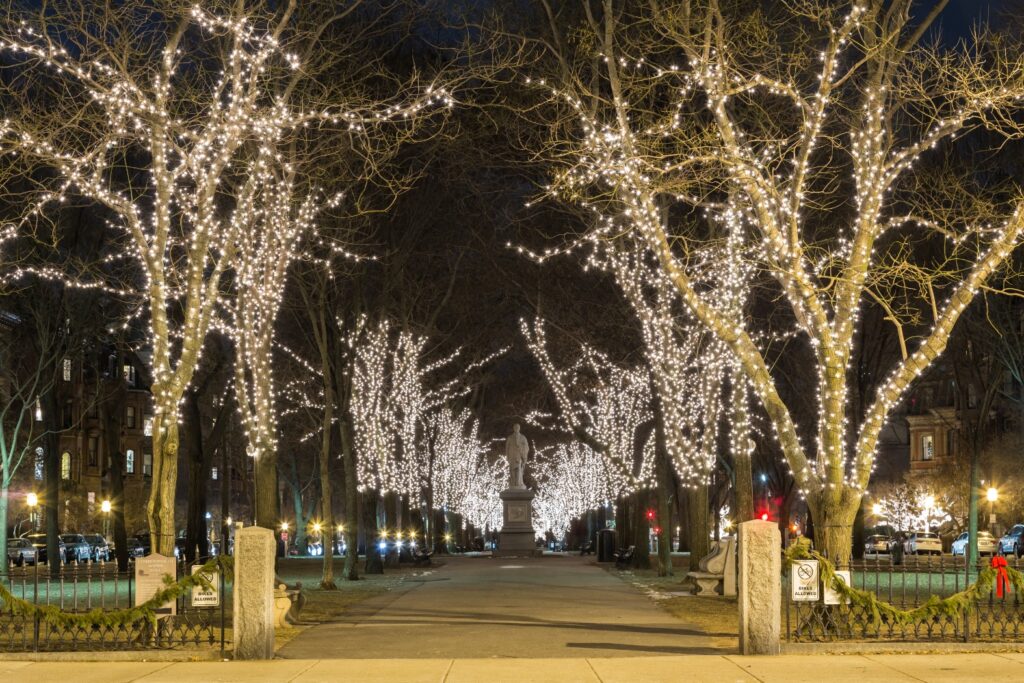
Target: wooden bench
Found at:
420, 558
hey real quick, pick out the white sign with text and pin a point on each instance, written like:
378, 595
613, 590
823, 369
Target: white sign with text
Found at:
804, 581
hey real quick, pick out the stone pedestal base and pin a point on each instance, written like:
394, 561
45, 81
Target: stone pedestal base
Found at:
517, 535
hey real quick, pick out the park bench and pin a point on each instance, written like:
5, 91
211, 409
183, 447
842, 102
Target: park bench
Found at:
624, 556
717, 570
288, 602
587, 549
421, 557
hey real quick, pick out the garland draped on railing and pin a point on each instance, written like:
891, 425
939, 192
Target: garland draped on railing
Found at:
53, 615
951, 606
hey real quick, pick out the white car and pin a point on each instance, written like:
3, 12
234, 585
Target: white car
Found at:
923, 543
987, 544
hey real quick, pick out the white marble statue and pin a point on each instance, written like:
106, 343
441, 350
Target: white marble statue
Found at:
516, 450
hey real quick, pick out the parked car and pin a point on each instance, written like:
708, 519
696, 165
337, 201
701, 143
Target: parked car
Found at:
77, 549
877, 544
1013, 541
38, 541
102, 551
315, 549
923, 543
20, 552
135, 547
144, 542
986, 544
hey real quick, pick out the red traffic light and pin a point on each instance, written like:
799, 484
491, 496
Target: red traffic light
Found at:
650, 514
764, 516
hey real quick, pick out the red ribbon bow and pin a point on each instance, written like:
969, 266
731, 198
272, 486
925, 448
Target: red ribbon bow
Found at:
1002, 578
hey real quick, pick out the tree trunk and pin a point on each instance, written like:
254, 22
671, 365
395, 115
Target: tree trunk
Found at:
351, 570
327, 511
697, 521
742, 470
111, 410
664, 518
972, 507
374, 561
195, 519
833, 525
4, 503
642, 553
160, 507
51, 478
267, 497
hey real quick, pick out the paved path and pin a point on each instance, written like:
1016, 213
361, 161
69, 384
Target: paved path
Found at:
651, 669
490, 607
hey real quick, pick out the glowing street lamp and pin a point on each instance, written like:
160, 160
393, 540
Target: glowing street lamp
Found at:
105, 508
33, 501
992, 495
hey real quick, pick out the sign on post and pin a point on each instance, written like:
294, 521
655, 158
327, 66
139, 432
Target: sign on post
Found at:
149, 580
206, 597
832, 596
804, 582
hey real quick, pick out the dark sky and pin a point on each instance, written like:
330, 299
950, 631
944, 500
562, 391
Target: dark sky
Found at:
960, 15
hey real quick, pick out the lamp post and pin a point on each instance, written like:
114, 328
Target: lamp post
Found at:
992, 495
33, 502
105, 507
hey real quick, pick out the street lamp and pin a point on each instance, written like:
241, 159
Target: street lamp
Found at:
992, 495
33, 500
105, 507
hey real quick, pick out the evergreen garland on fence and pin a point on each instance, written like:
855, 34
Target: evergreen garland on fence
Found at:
879, 610
54, 616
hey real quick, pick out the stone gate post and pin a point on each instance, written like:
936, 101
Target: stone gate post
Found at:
253, 630
760, 587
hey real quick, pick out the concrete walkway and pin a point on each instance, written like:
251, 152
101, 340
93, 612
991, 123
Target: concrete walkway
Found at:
490, 607
651, 669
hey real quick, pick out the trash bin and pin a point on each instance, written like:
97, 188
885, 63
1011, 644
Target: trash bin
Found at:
606, 545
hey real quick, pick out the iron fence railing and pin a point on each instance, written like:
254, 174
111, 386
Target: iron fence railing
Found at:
101, 589
906, 585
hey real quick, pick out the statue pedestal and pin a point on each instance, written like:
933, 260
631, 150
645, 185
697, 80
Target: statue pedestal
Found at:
517, 535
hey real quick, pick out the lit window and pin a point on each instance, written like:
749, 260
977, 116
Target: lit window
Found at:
65, 466
67, 370
927, 447
147, 464
129, 374
40, 464
129, 461
147, 425
129, 417
213, 473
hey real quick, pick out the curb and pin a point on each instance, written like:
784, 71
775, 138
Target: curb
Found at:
212, 655
897, 648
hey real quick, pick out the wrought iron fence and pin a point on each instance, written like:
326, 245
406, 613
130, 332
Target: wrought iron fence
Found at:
100, 589
907, 585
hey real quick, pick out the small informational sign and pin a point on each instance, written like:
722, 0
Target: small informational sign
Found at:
149, 580
206, 597
805, 585
832, 597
